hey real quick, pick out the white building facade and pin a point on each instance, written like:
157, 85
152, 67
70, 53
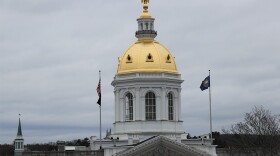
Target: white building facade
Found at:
147, 89
148, 104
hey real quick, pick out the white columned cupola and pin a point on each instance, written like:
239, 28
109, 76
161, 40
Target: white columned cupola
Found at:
145, 24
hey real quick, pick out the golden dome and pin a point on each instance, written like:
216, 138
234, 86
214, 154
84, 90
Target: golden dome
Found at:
147, 57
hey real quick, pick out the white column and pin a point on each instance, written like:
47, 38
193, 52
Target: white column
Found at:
116, 105
158, 107
164, 107
179, 103
121, 108
137, 104
142, 106
139, 26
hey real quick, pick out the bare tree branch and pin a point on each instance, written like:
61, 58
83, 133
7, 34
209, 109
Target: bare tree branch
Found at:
257, 135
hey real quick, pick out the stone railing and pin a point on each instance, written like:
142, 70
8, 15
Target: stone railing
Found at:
63, 153
145, 32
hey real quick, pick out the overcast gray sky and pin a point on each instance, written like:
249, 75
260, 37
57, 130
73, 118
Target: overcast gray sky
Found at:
51, 51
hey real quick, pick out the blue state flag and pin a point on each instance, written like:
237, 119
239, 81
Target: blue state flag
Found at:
205, 83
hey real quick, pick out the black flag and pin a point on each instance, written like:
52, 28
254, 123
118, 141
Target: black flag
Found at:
205, 83
98, 90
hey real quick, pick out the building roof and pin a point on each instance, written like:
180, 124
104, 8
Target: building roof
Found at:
19, 132
161, 145
147, 57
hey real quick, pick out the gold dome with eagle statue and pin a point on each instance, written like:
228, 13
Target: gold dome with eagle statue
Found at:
147, 55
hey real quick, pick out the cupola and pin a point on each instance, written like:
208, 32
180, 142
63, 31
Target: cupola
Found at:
145, 24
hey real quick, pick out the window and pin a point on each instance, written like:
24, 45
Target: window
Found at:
168, 59
150, 106
170, 107
149, 58
128, 59
129, 107
147, 26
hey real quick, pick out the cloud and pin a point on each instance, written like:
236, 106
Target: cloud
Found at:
51, 52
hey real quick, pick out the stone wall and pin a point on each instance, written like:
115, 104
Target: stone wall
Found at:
66, 153
224, 152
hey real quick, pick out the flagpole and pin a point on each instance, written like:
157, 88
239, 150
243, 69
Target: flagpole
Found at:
100, 112
210, 110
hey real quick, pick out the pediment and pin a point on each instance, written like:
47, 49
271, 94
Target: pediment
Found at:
161, 146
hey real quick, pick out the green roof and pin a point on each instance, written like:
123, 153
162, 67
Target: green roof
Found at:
19, 132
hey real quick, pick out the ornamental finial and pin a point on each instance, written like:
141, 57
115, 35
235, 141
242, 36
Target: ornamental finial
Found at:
145, 1
145, 4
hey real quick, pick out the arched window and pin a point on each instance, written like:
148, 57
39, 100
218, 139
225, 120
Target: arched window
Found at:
141, 26
150, 106
128, 106
170, 107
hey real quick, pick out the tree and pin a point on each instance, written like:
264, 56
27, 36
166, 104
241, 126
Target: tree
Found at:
257, 135
86, 142
218, 139
42, 147
6, 150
